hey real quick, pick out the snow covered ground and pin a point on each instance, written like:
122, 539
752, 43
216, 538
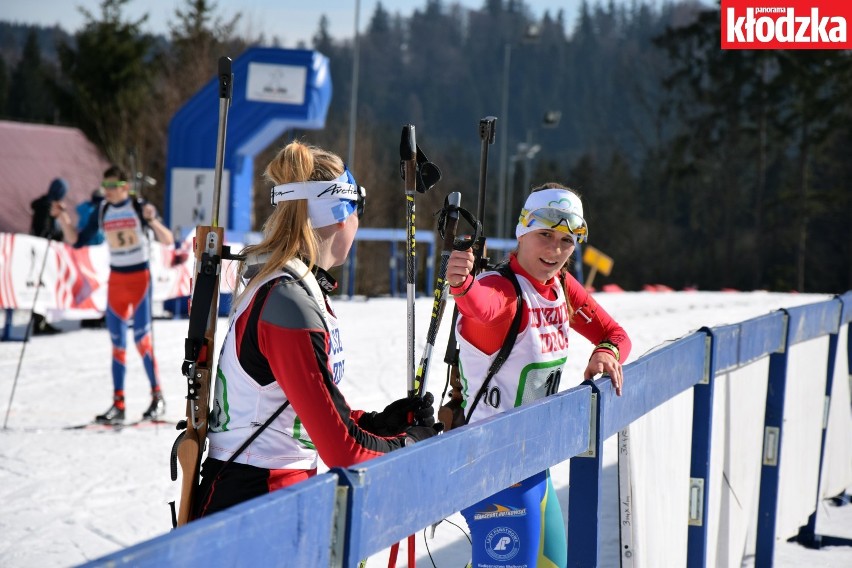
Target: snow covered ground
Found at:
70, 496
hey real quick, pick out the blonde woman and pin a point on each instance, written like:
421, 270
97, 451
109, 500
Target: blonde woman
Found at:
283, 357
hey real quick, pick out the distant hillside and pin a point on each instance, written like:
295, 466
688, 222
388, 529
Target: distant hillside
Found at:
13, 35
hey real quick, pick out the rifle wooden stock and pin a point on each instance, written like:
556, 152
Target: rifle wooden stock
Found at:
208, 255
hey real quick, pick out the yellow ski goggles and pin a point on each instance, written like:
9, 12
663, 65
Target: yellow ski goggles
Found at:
557, 220
113, 184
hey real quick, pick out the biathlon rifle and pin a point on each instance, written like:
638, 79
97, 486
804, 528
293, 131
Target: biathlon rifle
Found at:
200, 342
451, 414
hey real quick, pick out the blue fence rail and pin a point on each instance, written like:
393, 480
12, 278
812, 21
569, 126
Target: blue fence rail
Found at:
345, 515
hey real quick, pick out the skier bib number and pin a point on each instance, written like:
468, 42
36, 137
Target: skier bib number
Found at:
539, 380
122, 239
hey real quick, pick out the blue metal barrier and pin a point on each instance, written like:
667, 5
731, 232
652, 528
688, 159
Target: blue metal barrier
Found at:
376, 508
807, 534
804, 323
463, 467
292, 527
653, 379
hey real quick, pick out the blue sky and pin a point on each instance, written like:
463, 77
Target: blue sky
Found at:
289, 20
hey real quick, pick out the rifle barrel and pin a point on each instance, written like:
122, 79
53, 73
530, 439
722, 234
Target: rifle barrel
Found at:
226, 80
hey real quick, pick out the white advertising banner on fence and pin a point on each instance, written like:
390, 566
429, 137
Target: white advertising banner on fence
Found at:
62, 282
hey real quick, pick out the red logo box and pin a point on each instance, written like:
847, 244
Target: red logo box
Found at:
786, 24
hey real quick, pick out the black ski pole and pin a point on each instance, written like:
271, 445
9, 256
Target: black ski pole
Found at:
408, 165
134, 186
419, 175
451, 221
27, 332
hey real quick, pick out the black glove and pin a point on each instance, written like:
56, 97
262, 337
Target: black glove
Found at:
419, 433
395, 417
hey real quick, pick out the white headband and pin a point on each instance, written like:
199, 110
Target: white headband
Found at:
329, 202
555, 198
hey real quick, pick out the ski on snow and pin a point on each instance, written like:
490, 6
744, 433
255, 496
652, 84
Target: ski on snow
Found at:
118, 426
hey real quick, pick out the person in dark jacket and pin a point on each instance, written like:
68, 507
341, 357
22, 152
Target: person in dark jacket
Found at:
43, 223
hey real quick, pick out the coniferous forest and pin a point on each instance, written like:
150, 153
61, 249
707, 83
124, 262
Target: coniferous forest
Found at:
698, 167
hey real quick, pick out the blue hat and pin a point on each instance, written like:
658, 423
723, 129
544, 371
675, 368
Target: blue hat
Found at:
58, 189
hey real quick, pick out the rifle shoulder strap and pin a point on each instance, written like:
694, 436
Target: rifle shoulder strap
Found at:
508, 342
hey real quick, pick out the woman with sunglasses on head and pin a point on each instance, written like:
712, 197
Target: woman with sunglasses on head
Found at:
523, 525
283, 357
125, 221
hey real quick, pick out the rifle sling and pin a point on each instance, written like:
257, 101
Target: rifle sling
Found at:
205, 287
508, 343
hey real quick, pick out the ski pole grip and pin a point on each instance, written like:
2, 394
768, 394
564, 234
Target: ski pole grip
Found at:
487, 128
226, 81
454, 202
407, 144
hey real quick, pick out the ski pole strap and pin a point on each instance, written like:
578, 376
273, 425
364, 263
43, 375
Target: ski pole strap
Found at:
508, 343
428, 174
476, 225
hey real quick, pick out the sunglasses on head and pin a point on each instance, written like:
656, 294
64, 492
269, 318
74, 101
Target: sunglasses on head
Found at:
557, 220
113, 184
361, 202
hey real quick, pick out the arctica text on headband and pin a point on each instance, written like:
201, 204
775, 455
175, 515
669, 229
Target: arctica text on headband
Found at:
328, 201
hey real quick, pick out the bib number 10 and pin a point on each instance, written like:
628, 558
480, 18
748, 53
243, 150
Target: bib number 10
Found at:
538, 383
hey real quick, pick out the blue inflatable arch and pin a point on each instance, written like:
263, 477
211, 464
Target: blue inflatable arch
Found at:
274, 90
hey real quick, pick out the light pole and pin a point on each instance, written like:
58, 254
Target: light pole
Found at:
349, 270
526, 151
504, 130
531, 34
353, 99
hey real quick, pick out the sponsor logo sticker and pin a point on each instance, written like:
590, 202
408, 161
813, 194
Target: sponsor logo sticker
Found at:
786, 24
497, 511
502, 544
